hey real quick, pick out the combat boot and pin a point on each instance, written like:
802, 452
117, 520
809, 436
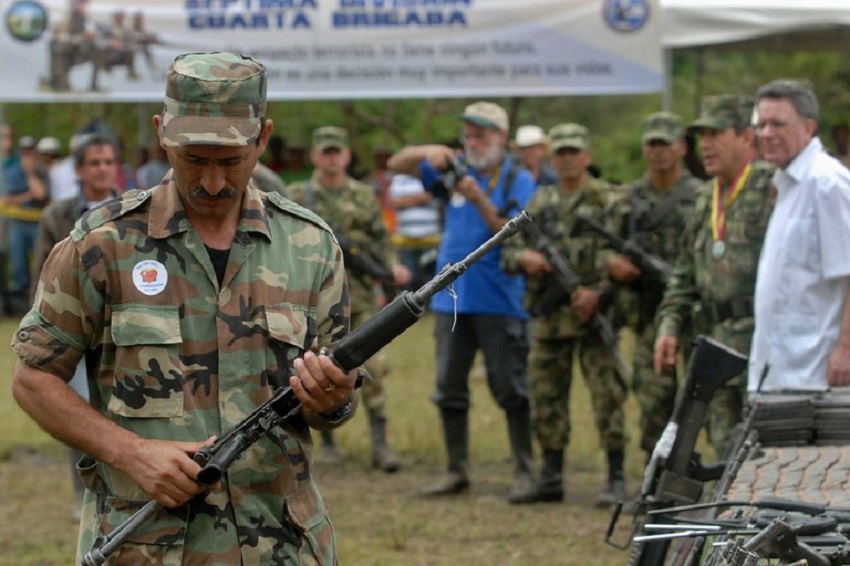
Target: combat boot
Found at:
328, 454
382, 457
519, 433
615, 491
456, 436
550, 487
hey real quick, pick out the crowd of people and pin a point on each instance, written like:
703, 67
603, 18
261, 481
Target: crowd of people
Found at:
157, 318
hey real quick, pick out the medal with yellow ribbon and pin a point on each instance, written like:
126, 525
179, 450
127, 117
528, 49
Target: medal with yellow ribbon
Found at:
720, 205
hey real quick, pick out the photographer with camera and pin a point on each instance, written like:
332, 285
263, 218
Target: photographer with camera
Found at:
485, 310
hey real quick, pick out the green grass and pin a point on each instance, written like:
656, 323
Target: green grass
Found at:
378, 519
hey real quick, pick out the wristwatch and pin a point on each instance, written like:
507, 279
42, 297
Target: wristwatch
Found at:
340, 414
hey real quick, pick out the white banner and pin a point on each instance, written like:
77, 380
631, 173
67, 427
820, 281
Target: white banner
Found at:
119, 50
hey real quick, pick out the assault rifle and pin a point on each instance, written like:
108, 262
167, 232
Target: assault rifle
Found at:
675, 473
559, 287
361, 261
349, 353
795, 532
777, 540
649, 264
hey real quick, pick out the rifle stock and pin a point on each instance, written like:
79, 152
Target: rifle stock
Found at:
349, 353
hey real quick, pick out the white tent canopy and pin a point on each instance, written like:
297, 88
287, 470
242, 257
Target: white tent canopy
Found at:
761, 24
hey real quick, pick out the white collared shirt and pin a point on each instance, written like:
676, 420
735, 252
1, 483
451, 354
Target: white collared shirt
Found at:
803, 274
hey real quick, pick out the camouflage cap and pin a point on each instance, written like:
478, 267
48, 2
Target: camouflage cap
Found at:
330, 137
574, 136
725, 111
213, 99
662, 126
486, 115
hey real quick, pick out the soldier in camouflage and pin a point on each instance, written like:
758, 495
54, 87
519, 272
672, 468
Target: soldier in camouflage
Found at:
652, 216
559, 335
353, 212
191, 302
715, 272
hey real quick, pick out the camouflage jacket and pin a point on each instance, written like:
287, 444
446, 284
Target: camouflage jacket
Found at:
554, 212
354, 214
700, 281
654, 221
171, 354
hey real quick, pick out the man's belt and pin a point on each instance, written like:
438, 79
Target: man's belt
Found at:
734, 308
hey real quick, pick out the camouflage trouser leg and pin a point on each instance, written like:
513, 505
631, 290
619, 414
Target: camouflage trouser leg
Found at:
727, 407
550, 364
656, 394
607, 392
372, 391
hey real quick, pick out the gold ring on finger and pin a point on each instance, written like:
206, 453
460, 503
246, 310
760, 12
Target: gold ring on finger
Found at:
331, 387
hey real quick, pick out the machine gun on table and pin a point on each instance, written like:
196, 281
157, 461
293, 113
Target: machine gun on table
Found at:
675, 474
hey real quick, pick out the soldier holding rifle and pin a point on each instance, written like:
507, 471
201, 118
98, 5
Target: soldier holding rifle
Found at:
651, 216
353, 212
191, 302
559, 328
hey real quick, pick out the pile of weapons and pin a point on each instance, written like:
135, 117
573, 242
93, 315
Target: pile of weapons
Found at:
794, 419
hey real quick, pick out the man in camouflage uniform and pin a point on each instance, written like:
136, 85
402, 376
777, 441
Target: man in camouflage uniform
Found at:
561, 333
191, 302
715, 273
652, 216
351, 209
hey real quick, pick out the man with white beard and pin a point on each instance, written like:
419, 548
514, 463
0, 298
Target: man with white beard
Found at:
484, 310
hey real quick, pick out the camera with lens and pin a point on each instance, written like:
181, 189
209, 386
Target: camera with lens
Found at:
449, 177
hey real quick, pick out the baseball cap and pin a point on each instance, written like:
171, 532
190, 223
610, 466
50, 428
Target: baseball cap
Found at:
662, 126
213, 99
26, 142
330, 137
527, 136
573, 136
48, 145
722, 111
486, 115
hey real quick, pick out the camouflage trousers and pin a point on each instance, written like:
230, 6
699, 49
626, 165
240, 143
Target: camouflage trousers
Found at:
550, 378
656, 394
372, 391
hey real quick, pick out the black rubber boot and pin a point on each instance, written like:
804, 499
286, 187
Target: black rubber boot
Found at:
616, 488
550, 486
519, 433
382, 457
456, 436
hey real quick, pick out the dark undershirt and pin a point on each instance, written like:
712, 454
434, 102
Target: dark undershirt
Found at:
219, 261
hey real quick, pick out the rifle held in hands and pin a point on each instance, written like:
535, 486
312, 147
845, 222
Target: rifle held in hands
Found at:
561, 284
648, 263
349, 353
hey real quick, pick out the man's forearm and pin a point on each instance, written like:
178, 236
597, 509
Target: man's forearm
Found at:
61, 412
407, 160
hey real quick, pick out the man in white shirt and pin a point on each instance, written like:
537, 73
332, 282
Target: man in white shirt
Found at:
802, 315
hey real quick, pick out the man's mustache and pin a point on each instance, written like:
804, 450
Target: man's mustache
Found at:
222, 194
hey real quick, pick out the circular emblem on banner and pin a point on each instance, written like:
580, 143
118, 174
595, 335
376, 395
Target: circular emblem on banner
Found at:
26, 20
150, 277
626, 15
